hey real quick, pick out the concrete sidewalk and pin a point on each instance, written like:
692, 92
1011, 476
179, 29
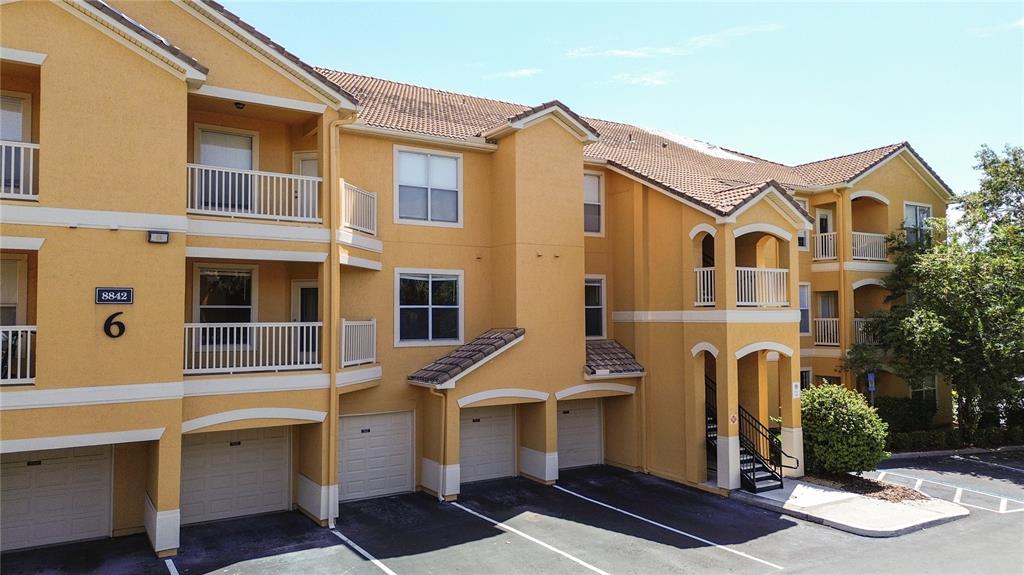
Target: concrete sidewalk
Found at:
851, 512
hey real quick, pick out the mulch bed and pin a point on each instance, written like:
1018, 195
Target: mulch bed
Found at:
867, 487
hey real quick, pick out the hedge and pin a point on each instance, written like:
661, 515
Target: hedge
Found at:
952, 439
905, 414
842, 433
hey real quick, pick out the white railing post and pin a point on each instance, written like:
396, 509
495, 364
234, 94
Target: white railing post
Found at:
17, 354
252, 194
18, 170
826, 331
360, 209
358, 342
247, 347
867, 246
705, 287
825, 246
765, 287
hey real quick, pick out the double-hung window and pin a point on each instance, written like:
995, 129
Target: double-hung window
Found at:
593, 208
924, 390
805, 309
429, 307
593, 307
225, 295
915, 221
801, 235
429, 188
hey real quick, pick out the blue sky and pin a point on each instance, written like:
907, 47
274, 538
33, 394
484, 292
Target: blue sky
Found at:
789, 82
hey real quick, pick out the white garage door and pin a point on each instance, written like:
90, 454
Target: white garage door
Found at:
487, 442
234, 473
54, 496
579, 433
375, 455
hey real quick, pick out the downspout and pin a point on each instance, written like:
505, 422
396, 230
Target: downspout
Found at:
444, 444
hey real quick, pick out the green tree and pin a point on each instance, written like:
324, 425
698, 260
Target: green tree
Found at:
957, 302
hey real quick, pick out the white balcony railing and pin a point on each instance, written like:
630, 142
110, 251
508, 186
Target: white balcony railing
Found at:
18, 161
705, 287
859, 335
763, 287
243, 347
251, 194
825, 246
826, 331
17, 354
360, 212
869, 246
358, 342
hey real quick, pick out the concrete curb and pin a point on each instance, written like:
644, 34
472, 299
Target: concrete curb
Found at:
770, 505
964, 451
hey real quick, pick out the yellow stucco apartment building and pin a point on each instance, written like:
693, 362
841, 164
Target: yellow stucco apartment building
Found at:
234, 283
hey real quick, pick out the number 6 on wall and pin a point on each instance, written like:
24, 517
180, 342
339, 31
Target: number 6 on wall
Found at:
112, 327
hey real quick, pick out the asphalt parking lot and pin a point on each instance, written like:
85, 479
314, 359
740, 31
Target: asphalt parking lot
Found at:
598, 520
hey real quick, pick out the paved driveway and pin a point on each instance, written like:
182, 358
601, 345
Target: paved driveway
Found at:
598, 520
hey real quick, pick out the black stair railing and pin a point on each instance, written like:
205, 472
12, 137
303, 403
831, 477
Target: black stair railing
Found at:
764, 448
711, 422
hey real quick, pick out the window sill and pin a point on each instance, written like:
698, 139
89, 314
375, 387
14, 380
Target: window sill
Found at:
429, 224
429, 343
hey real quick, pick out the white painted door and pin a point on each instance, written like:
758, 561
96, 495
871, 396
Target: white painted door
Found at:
375, 455
234, 473
487, 442
579, 433
54, 496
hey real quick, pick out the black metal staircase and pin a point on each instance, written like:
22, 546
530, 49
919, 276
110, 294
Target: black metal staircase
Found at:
760, 450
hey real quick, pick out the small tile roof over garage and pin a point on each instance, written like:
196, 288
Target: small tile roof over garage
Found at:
464, 357
609, 357
716, 179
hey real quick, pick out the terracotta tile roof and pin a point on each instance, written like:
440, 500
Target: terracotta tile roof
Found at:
148, 34
846, 168
554, 104
717, 179
280, 50
609, 357
466, 356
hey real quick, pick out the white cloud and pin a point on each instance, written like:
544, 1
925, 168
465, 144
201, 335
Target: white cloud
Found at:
517, 73
692, 44
656, 78
992, 30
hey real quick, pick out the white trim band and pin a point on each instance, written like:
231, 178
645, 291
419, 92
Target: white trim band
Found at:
251, 231
764, 345
80, 440
354, 261
103, 394
357, 376
233, 385
503, 392
249, 254
588, 387
22, 56
104, 220
252, 413
709, 316
704, 346
257, 98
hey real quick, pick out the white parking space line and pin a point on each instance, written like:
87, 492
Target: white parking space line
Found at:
993, 464
666, 527
515, 531
170, 567
363, 552
1000, 502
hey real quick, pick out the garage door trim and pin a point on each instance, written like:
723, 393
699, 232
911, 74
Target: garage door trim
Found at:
412, 444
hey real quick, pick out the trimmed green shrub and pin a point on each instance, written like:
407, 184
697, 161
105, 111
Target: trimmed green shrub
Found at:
954, 439
989, 437
1015, 435
842, 433
905, 414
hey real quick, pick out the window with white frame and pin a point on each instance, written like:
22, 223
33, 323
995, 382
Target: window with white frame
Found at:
225, 295
429, 187
805, 309
429, 307
10, 288
915, 221
805, 378
593, 307
593, 200
924, 390
801, 235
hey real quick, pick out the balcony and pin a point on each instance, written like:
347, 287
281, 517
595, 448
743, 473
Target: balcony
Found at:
360, 210
825, 246
17, 354
18, 166
252, 194
867, 246
826, 331
762, 287
705, 287
358, 342
860, 336
251, 347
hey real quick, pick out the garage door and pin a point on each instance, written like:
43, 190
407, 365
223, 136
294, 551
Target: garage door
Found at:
487, 442
579, 433
54, 496
375, 455
234, 473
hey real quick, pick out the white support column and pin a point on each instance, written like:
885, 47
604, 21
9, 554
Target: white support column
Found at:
728, 462
793, 445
